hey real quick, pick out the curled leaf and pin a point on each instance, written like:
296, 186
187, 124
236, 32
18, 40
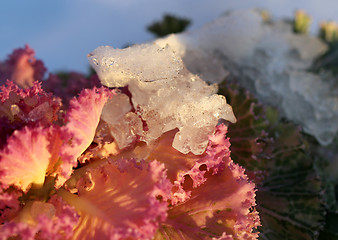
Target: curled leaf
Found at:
25, 159
120, 200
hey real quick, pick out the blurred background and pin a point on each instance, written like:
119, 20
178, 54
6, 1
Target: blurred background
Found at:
63, 32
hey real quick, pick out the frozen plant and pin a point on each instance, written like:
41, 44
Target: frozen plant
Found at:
164, 94
147, 160
268, 59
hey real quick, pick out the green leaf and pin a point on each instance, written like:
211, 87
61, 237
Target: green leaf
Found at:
169, 24
289, 197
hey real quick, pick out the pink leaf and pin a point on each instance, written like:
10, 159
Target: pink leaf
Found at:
54, 220
22, 68
180, 166
120, 200
218, 209
25, 158
81, 121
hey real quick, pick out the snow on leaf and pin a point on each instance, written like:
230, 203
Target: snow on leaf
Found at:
120, 200
157, 80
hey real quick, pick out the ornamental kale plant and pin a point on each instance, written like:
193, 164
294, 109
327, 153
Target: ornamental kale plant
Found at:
145, 149
143, 159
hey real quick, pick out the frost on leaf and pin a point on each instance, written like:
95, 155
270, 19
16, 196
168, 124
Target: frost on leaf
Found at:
120, 200
165, 95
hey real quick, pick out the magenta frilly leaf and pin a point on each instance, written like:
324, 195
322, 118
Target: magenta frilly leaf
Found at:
9, 203
22, 68
221, 199
25, 158
205, 189
68, 85
53, 220
23, 107
182, 166
55, 148
81, 121
61, 225
120, 200
222, 207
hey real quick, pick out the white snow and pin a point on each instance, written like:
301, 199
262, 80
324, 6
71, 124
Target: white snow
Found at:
164, 94
268, 59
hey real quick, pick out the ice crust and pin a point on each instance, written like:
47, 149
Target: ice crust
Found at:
124, 125
165, 96
116, 67
268, 59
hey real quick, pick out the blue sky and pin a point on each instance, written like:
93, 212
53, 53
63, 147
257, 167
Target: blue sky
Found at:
63, 32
